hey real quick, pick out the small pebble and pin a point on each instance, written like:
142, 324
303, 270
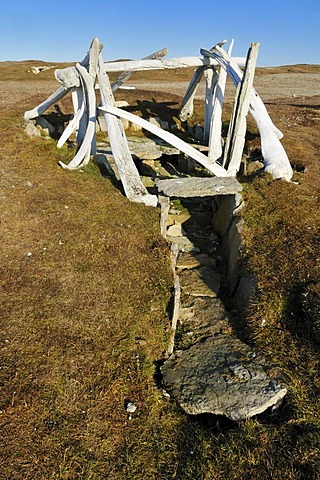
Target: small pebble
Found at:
131, 407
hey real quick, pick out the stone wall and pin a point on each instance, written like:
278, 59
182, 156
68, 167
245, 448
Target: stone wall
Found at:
228, 224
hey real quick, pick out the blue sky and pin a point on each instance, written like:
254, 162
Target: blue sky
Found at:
288, 31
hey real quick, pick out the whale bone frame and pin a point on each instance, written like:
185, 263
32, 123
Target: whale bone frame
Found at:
80, 81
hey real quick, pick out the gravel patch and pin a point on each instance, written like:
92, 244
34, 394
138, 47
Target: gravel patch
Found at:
269, 86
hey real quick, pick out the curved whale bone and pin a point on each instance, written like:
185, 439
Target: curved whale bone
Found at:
72, 126
275, 158
186, 107
78, 100
82, 157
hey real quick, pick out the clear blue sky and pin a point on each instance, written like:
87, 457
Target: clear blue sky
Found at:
288, 31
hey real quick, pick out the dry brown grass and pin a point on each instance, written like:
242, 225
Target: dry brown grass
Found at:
97, 280
73, 315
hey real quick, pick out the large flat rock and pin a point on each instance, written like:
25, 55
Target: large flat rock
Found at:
199, 186
221, 376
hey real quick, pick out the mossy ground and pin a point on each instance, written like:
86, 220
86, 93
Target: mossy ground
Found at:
85, 285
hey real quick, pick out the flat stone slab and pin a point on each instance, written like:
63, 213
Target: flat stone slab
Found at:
198, 186
183, 243
145, 149
201, 282
176, 230
188, 261
204, 316
222, 376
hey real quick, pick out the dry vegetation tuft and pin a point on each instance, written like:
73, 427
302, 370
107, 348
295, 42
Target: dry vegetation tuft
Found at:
85, 285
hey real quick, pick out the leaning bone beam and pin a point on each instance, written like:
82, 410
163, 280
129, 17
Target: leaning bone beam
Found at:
128, 172
93, 54
211, 77
69, 76
186, 107
169, 138
160, 64
83, 155
55, 97
126, 75
158, 54
238, 125
215, 141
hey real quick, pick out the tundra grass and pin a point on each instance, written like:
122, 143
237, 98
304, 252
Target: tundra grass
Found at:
85, 285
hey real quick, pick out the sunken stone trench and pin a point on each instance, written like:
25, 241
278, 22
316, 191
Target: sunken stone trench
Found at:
210, 371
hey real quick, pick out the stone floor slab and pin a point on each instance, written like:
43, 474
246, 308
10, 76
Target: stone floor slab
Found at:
221, 376
198, 186
200, 282
188, 261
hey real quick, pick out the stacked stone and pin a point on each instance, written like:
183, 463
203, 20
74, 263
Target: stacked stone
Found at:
211, 371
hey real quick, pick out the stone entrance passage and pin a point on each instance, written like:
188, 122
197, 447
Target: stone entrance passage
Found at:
210, 370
